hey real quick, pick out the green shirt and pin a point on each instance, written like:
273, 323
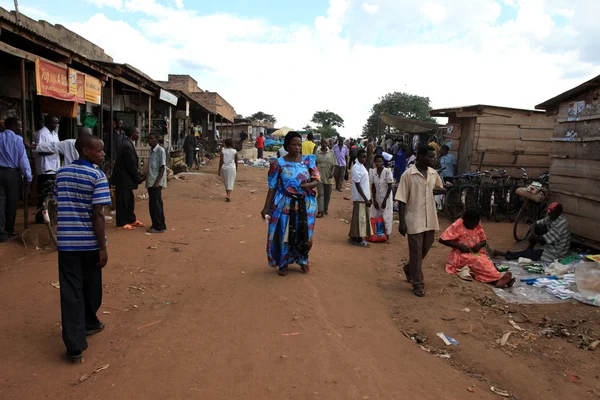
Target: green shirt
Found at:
326, 163
156, 159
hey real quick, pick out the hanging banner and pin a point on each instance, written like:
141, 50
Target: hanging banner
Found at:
77, 85
168, 97
93, 87
52, 80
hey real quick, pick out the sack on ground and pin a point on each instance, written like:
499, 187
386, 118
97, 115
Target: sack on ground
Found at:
378, 229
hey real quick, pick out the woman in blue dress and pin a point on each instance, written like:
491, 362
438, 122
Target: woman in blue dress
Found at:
291, 206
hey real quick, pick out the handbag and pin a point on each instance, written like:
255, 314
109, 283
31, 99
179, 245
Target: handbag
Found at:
378, 229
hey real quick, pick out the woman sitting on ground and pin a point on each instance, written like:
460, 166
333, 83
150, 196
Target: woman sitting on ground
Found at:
468, 241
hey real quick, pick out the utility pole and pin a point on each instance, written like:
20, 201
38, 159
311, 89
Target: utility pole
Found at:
17, 11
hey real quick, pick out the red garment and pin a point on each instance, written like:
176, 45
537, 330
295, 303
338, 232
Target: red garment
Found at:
260, 142
481, 266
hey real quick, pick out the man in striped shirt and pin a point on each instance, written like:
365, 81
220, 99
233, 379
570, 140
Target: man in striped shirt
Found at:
552, 233
82, 191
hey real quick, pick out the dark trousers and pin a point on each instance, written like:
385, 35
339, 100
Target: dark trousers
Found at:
189, 158
80, 295
125, 206
155, 204
418, 247
260, 153
324, 197
338, 175
41, 180
10, 189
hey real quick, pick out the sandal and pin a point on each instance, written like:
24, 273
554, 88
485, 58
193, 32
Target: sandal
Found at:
126, 227
227, 199
305, 269
139, 224
419, 292
320, 214
283, 271
362, 243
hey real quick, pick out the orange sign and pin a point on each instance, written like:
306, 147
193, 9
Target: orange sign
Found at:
77, 85
52, 80
93, 87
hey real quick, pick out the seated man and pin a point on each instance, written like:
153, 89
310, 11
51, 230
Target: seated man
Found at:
552, 233
468, 240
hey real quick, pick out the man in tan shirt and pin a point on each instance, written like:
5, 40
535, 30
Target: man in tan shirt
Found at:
418, 215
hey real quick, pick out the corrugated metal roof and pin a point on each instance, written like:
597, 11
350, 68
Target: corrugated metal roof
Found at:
442, 112
566, 96
408, 125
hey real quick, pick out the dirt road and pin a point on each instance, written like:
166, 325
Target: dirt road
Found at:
196, 313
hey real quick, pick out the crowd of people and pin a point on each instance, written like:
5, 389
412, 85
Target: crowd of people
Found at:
291, 209
300, 182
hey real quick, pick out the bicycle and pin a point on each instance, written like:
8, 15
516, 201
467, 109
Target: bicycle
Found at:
468, 192
534, 207
50, 208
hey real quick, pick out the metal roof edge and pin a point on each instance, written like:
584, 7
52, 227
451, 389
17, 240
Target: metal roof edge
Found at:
577, 90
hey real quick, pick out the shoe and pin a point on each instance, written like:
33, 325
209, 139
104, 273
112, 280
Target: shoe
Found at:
91, 332
152, 230
75, 356
3, 239
13, 234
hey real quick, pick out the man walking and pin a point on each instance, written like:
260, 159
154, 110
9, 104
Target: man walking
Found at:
126, 177
418, 216
342, 158
13, 164
260, 145
189, 148
155, 182
326, 165
46, 164
81, 246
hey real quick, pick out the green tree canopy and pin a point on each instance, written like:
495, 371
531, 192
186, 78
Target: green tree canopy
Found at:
327, 118
327, 131
262, 117
401, 104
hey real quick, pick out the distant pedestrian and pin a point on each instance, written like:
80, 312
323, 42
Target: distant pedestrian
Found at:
82, 245
370, 153
291, 206
418, 216
260, 145
126, 177
228, 167
13, 165
189, 147
308, 146
382, 180
155, 182
46, 164
342, 158
326, 164
360, 226
400, 162
447, 163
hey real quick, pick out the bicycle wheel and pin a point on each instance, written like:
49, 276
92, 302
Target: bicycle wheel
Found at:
497, 204
523, 221
469, 199
512, 204
453, 207
484, 203
50, 214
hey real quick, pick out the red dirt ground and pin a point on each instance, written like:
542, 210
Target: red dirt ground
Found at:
202, 316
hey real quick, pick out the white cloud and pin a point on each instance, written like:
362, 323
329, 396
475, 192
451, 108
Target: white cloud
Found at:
118, 4
344, 62
179, 4
370, 8
436, 13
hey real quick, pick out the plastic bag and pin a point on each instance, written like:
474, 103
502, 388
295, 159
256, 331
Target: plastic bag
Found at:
378, 229
587, 278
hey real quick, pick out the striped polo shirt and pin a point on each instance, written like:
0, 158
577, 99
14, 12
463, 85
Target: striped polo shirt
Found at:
79, 187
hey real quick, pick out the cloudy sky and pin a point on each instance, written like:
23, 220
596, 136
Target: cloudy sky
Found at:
291, 58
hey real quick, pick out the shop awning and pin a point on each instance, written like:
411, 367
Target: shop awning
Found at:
408, 125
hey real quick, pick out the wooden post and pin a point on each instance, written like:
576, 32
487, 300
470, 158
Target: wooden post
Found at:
24, 122
113, 145
101, 113
149, 116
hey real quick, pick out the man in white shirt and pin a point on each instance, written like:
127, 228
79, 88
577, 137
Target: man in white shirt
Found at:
46, 164
360, 226
65, 148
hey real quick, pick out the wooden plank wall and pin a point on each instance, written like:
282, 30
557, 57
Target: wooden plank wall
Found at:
575, 170
510, 139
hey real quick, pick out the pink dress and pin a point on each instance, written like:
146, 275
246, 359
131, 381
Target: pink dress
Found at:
481, 266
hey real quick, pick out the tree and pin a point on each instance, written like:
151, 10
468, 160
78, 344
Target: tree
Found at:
327, 131
262, 118
327, 118
401, 104
308, 128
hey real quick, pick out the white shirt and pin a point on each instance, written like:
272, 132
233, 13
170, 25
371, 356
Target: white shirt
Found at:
46, 164
229, 158
65, 148
360, 175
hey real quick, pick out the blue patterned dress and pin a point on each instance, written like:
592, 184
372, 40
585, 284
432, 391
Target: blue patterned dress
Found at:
286, 177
